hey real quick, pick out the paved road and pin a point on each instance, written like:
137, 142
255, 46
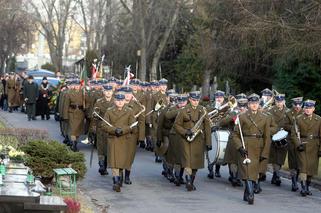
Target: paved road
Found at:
150, 192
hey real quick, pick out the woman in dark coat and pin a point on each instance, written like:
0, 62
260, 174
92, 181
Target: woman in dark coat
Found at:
44, 97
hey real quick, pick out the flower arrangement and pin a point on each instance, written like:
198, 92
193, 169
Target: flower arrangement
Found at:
11, 152
72, 205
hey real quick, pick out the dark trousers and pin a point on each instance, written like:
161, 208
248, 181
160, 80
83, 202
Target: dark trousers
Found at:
31, 110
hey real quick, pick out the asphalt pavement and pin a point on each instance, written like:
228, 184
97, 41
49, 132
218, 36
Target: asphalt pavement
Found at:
151, 192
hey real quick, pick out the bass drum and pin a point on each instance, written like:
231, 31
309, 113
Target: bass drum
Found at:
219, 142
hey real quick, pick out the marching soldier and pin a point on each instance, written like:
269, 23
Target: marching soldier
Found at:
193, 125
74, 114
278, 151
306, 137
30, 94
250, 140
232, 156
163, 129
173, 156
101, 107
138, 134
291, 116
159, 101
219, 101
266, 99
119, 118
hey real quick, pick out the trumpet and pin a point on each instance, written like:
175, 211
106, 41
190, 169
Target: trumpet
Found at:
159, 105
196, 128
231, 104
270, 102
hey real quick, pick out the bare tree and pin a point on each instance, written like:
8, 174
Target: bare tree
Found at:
53, 16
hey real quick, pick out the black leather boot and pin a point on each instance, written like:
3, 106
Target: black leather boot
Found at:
127, 179
233, 179
249, 185
102, 169
294, 184
116, 186
217, 171
246, 193
74, 146
273, 180
193, 179
181, 179
121, 176
308, 183
210, 171
170, 175
257, 187
10, 109
189, 185
303, 191
177, 178
278, 179
157, 159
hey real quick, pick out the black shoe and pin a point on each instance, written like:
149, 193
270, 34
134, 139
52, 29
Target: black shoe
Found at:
278, 181
210, 175
249, 185
116, 186
42, 117
262, 177
102, 170
29, 119
273, 180
189, 185
127, 179
239, 182
74, 146
303, 191
294, 184
34, 118
217, 171
257, 187
232, 180
142, 144
158, 159
47, 117
10, 109
193, 179
177, 180
308, 187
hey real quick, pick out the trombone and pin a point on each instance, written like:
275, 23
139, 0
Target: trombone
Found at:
231, 104
95, 113
141, 106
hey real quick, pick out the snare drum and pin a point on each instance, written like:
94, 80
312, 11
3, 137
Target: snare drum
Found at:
219, 142
279, 138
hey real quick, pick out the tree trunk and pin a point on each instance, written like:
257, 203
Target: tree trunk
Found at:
206, 83
143, 45
163, 42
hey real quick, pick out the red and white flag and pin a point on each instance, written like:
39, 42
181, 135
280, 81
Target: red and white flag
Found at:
94, 71
129, 76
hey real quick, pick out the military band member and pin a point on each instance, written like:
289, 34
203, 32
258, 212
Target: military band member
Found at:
266, 99
120, 119
192, 150
219, 101
159, 101
101, 107
74, 114
291, 116
306, 133
163, 129
138, 134
255, 131
232, 156
278, 150
173, 156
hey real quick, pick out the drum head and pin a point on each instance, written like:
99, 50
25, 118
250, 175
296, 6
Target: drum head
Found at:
280, 135
219, 141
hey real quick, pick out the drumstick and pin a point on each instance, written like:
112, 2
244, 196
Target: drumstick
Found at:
246, 160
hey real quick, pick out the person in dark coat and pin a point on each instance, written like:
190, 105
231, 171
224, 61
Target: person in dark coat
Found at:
44, 96
30, 94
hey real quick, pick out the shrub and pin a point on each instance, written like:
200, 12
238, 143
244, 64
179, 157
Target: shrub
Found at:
44, 156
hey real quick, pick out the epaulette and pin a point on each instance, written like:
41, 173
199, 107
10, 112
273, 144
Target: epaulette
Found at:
287, 110
110, 108
299, 116
266, 113
317, 117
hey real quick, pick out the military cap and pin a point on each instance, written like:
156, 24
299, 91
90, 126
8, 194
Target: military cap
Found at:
195, 95
279, 97
112, 79
297, 100
182, 97
171, 91
242, 102
119, 96
240, 96
119, 82
154, 83
253, 98
126, 89
267, 92
135, 82
146, 84
219, 93
107, 87
30, 77
309, 103
163, 81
